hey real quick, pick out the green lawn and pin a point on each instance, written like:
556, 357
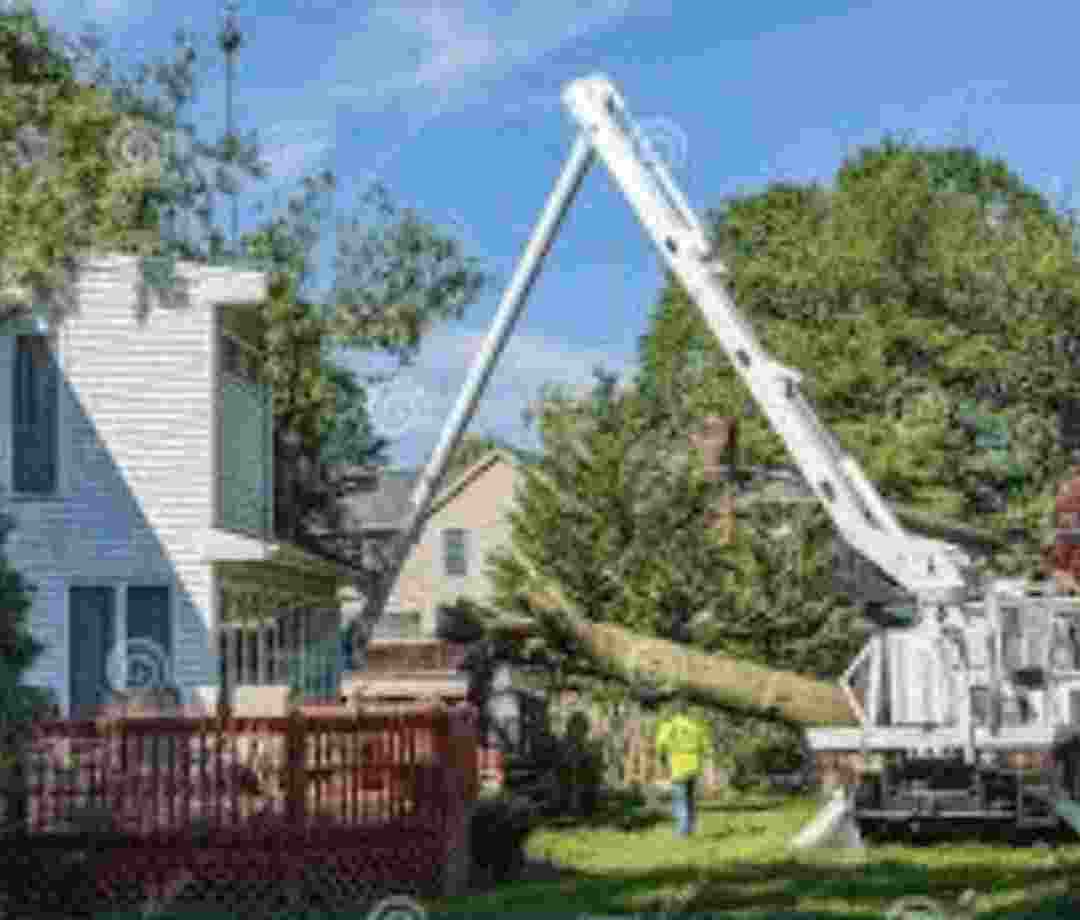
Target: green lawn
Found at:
629, 861
738, 865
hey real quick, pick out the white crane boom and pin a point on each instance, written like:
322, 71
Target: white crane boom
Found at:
929, 569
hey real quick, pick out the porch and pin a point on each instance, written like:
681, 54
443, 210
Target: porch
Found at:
279, 626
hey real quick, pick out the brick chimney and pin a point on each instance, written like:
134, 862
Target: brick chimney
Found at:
716, 440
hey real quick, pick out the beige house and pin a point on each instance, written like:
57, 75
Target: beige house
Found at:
405, 657
469, 519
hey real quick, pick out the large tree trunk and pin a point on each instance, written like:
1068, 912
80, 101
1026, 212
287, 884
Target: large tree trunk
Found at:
709, 678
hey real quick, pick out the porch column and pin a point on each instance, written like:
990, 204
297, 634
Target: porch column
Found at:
262, 640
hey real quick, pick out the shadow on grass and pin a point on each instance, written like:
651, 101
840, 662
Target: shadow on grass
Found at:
617, 812
784, 890
715, 874
726, 807
630, 813
790, 890
642, 819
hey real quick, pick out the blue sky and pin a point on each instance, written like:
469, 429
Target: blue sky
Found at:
455, 106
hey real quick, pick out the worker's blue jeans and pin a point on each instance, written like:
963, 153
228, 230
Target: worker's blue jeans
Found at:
684, 805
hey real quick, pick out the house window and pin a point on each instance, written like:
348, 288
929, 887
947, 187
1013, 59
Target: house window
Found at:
34, 416
300, 648
95, 667
455, 552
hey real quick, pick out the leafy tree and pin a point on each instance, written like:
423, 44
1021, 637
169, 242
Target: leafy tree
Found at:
396, 276
92, 161
63, 189
929, 295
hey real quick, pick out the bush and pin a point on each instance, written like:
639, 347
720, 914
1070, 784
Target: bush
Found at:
559, 776
20, 705
762, 749
459, 622
500, 825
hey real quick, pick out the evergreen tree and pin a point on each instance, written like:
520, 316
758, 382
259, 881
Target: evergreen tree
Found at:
18, 651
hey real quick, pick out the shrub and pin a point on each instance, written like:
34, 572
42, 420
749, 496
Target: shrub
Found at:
19, 705
459, 622
761, 749
500, 825
18, 649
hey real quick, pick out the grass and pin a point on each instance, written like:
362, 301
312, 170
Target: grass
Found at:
629, 861
738, 865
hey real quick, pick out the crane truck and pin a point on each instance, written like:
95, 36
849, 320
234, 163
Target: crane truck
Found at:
968, 709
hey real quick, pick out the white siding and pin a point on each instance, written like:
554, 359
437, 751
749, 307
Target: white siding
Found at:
136, 462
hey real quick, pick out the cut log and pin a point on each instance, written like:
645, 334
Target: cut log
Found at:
712, 677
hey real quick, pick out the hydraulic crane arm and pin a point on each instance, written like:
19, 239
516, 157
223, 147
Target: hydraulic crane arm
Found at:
929, 569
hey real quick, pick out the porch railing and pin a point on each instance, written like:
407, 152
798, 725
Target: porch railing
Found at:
301, 649
181, 777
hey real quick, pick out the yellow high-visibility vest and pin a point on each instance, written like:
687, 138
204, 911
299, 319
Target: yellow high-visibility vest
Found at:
686, 742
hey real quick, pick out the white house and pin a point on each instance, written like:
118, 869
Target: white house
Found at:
136, 460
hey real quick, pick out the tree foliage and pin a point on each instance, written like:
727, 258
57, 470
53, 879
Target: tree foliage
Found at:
614, 517
18, 652
64, 188
618, 513
396, 276
930, 297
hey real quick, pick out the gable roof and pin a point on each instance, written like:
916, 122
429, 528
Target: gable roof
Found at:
383, 508
386, 507
511, 456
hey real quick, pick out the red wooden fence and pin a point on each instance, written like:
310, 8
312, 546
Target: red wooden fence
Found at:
388, 791
159, 776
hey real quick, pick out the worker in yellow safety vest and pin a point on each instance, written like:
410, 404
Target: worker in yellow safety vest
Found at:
685, 742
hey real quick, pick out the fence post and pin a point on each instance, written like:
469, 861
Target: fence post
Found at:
16, 755
295, 768
461, 783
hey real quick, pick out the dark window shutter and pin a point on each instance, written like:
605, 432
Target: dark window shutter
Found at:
148, 620
148, 615
35, 416
91, 611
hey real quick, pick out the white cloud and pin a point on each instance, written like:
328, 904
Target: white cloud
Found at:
438, 48
63, 13
527, 356
431, 388
110, 9
456, 48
